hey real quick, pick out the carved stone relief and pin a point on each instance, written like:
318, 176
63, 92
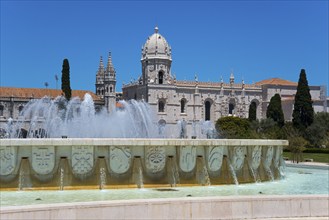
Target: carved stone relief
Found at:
82, 159
8, 158
120, 159
237, 157
215, 158
155, 158
43, 159
255, 157
187, 158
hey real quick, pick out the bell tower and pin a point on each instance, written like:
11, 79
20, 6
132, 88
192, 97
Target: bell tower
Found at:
106, 82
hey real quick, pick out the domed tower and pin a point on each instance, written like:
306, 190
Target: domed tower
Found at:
156, 60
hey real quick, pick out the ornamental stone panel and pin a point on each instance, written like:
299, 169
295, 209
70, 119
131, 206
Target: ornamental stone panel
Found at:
43, 159
255, 157
82, 159
237, 157
187, 158
120, 159
155, 158
215, 158
8, 158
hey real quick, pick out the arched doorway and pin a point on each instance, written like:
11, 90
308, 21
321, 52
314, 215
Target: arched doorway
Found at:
231, 108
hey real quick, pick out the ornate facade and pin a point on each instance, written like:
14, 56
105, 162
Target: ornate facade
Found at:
193, 101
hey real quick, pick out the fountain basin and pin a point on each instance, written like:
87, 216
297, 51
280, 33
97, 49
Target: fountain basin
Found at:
28, 164
231, 207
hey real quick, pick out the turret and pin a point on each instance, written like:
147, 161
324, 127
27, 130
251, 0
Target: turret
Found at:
156, 60
106, 82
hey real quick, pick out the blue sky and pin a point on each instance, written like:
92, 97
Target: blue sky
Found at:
256, 39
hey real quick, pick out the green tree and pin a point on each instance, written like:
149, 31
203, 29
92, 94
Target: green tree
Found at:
296, 141
297, 146
274, 110
252, 111
267, 129
66, 88
234, 127
303, 114
318, 132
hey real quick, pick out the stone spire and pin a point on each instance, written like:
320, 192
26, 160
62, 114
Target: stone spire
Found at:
110, 69
101, 67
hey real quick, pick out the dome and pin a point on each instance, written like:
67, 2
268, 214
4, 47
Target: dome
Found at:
156, 46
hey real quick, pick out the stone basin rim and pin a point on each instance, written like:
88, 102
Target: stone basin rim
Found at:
142, 142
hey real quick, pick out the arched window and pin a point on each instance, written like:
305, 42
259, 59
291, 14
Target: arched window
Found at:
111, 89
252, 111
160, 77
182, 106
207, 108
107, 89
161, 106
1, 110
231, 108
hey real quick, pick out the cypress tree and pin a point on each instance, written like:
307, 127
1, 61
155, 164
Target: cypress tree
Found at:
66, 88
274, 110
252, 111
303, 114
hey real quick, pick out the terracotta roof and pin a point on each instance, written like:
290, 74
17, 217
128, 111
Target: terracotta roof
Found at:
40, 93
118, 105
276, 81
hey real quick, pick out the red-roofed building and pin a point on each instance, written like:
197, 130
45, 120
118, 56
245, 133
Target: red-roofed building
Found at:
12, 100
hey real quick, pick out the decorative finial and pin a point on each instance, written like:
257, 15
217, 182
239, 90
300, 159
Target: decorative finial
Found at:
156, 29
196, 78
101, 65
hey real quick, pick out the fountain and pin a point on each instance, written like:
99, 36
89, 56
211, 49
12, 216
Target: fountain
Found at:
70, 146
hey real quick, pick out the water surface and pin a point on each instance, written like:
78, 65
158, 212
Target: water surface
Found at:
297, 181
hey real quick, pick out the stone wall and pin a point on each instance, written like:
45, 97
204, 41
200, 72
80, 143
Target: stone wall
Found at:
226, 207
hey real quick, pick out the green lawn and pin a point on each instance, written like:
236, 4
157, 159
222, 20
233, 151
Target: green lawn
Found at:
323, 158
